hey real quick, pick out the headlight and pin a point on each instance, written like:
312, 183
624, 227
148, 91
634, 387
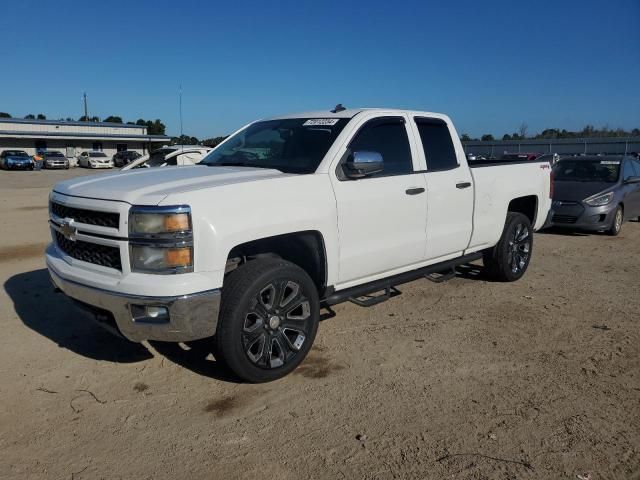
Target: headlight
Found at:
161, 259
599, 200
161, 239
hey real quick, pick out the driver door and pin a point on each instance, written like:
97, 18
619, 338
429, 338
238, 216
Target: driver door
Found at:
382, 217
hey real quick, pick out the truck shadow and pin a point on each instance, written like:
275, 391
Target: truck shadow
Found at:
54, 316
197, 356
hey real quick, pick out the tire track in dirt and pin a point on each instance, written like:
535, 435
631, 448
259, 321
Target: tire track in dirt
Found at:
15, 253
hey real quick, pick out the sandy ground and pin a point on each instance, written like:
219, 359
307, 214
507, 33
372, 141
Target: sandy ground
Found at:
467, 379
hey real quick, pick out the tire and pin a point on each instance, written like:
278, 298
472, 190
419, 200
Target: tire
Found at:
508, 260
268, 319
616, 222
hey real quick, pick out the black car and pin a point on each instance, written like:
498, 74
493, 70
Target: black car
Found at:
16, 160
596, 193
125, 157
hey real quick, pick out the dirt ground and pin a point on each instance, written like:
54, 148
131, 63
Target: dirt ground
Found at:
467, 379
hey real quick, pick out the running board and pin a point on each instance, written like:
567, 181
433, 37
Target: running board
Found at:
367, 289
439, 277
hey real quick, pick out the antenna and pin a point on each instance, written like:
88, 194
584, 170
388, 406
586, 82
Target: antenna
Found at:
181, 132
86, 115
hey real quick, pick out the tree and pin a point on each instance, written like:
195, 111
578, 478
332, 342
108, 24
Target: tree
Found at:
88, 119
112, 119
506, 136
156, 127
487, 137
41, 116
4, 115
465, 138
184, 140
214, 142
31, 116
522, 130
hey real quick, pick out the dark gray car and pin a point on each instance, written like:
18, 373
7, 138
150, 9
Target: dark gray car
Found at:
596, 193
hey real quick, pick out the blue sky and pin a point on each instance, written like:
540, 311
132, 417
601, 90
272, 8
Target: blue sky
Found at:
489, 65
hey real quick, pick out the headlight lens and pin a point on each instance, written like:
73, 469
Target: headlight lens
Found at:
599, 200
161, 239
161, 259
150, 223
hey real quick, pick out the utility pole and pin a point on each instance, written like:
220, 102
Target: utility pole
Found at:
86, 115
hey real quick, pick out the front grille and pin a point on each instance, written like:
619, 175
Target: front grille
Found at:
90, 252
564, 219
90, 217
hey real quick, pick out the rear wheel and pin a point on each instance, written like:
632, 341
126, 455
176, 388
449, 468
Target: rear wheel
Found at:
509, 259
616, 223
268, 319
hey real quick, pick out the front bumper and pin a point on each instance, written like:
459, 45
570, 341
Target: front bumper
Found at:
100, 165
19, 166
583, 217
56, 165
191, 317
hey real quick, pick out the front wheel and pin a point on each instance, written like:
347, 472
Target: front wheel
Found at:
616, 223
509, 258
268, 319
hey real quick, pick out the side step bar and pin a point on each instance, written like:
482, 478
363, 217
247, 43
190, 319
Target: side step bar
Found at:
386, 283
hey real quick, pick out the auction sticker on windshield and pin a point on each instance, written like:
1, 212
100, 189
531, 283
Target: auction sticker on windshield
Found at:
315, 122
609, 162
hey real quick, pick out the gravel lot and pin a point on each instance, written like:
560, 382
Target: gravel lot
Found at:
467, 379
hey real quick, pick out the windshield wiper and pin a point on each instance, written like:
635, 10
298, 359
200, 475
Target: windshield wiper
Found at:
241, 164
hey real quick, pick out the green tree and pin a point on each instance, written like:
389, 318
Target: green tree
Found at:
156, 127
113, 119
184, 140
4, 115
465, 138
215, 141
506, 136
41, 116
487, 137
31, 116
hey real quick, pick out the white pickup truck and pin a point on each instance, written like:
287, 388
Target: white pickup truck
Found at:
286, 217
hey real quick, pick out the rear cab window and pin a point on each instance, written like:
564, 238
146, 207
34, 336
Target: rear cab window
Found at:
439, 152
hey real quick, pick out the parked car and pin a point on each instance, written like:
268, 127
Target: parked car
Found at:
171, 156
16, 160
54, 159
94, 160
285, 216
125, 157
520, 156
552, 158
596, 193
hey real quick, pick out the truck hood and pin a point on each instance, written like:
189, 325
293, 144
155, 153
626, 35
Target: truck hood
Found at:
578, 191
151, 186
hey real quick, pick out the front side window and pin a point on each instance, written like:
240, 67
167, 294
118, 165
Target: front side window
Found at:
437, 144
627, 170
291, 145
388, 137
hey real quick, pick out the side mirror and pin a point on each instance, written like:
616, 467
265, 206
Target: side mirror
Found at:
363, 164
633, 179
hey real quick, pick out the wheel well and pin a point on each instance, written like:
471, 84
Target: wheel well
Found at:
305, 249
528, 206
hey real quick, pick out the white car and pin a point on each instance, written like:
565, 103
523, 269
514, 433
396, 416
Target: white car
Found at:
94, 159
286, 216
171, 156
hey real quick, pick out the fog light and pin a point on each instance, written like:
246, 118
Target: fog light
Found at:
150, 314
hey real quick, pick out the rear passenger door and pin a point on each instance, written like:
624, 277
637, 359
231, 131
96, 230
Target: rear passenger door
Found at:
631, 168
381, 218
449, 191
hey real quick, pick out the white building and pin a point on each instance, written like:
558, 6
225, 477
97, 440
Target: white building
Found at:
73, 138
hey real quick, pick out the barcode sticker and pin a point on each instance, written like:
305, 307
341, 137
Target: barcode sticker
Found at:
315, 122
609, 162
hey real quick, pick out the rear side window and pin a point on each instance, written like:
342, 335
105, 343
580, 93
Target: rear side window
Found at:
437, 144
388, 137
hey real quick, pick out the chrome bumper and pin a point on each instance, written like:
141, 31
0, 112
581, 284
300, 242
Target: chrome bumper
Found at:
191, 317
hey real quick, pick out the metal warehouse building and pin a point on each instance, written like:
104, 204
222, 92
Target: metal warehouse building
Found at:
73, 138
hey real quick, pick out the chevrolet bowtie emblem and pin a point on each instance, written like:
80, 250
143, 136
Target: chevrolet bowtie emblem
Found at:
68, 230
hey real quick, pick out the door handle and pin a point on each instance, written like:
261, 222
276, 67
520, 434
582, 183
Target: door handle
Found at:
414, 191
463, 184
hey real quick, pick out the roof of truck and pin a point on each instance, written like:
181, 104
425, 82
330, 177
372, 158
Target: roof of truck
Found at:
347, 113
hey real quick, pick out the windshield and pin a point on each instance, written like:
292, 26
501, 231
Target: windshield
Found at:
157, 158
53, 154
292, 145
97, 154
607, 171
15, 153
